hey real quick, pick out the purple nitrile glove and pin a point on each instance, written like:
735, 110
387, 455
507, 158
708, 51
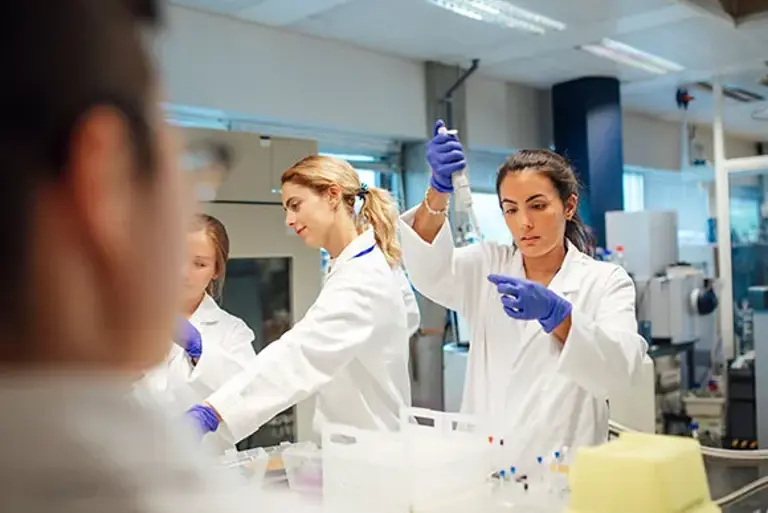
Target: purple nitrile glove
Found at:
445, 156
527, 300
189, 338
204, 418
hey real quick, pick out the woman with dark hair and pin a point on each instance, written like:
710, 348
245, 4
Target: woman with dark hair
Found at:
553, 331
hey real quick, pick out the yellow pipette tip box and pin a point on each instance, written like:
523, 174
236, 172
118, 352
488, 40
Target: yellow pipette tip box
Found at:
640, 473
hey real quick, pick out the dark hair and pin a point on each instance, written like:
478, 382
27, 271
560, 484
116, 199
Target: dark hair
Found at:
60, 59
563, 178
216, 231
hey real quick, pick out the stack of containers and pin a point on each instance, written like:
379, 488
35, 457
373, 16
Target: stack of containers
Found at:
437, 462
250, 465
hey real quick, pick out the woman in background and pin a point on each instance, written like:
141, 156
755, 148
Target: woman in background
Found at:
211, 345
351, 347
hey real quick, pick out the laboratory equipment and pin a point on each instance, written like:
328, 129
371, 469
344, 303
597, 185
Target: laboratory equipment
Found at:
673, 298
648, 240
639, 473
706, 407
758, 299
675, 303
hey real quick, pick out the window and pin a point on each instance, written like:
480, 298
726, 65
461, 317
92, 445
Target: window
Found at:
745, 219
369, 177
490, 218
634, 191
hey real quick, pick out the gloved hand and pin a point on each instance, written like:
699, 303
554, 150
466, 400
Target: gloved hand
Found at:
204, 418
189, 338
527, 300
445, 156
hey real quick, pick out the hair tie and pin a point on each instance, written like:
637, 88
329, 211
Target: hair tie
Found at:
363, 191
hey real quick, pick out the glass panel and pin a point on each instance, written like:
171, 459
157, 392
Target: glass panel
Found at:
749, 248
258, 290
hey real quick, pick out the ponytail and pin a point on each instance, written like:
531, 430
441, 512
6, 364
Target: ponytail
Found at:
379, 211
578, 233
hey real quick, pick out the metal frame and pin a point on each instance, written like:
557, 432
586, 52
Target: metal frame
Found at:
724, 167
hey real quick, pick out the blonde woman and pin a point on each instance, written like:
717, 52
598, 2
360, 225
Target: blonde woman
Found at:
351, 347
210, 344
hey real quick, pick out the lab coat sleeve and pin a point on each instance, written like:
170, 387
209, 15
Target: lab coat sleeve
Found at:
413, 319
301, 361
604, 354
442, 273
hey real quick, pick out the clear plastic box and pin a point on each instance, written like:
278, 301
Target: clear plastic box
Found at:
436, 462
304, 468
251, 465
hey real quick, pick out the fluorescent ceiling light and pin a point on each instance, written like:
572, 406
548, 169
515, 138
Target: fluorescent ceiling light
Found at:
350, 158
625, 54
500, 12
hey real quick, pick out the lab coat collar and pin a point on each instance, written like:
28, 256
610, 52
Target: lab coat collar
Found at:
207, 312
567, 278
361, 243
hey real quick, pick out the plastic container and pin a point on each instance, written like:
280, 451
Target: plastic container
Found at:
250, 465
436, 460
704, 407
304, 468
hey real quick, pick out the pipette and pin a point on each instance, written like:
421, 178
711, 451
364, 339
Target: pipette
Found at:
462, 194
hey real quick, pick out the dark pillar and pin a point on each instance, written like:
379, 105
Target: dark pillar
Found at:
587, 130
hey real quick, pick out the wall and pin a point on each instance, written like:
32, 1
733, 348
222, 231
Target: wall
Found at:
268, 74
503, 115
240, 68
655, 144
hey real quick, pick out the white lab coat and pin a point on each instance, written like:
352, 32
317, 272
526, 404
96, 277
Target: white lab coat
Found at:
540, 394
77, 444
351, 348
177, 385
413, 315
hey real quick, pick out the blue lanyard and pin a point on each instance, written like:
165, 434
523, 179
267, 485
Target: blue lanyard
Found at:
364, 252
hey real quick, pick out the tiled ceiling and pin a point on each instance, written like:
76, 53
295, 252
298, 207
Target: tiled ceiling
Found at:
706, 44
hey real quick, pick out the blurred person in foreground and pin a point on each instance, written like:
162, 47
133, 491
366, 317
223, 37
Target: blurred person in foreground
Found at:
93, 219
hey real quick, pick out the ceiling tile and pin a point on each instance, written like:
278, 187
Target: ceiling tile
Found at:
584, 12
696, 43
408, 27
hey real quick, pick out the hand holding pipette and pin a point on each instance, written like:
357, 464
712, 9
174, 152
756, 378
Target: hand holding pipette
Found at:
446, 158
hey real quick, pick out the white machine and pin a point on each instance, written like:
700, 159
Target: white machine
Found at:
672, 298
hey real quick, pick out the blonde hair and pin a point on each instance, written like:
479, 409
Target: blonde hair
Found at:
378, 211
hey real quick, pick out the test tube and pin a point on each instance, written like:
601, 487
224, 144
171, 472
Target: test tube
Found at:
541, 473
695, 430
